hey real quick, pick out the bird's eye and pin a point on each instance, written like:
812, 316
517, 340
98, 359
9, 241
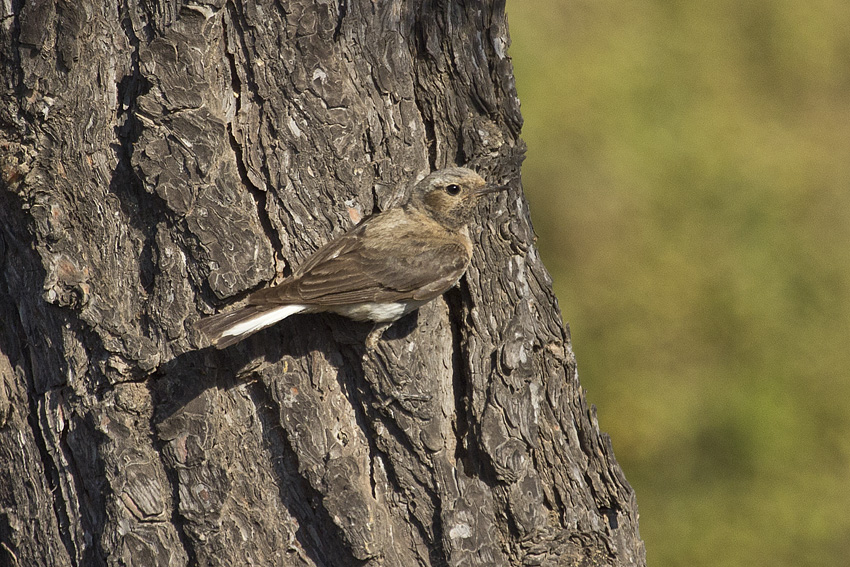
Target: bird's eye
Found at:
453, 189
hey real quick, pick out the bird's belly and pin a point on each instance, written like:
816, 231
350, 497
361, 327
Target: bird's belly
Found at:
377, 312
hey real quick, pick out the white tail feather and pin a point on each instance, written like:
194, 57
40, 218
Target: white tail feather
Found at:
262, 320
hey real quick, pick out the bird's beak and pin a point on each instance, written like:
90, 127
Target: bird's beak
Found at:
487, 189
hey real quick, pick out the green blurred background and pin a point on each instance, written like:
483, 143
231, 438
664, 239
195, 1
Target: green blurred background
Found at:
689, 176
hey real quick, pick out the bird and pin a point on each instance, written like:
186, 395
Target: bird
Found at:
390, 264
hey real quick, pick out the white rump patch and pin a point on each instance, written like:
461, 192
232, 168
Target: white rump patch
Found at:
263, 320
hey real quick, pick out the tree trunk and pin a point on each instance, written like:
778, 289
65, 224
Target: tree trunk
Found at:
159, 161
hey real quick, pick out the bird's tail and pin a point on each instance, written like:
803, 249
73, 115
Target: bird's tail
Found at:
225, 329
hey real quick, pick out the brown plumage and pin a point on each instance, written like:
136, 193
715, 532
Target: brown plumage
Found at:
385, 267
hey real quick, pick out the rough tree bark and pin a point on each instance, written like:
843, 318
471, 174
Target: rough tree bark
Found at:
161, 159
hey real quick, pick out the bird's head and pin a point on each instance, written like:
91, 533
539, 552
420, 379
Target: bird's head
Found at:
449, 195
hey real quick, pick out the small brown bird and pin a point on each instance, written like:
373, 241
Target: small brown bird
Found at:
382, 269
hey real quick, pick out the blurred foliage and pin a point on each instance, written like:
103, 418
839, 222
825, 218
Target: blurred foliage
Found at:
689, 177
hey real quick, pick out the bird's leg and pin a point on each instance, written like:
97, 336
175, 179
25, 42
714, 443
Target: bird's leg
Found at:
375, 335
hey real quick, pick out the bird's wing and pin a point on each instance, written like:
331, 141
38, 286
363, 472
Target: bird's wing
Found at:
358, 268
